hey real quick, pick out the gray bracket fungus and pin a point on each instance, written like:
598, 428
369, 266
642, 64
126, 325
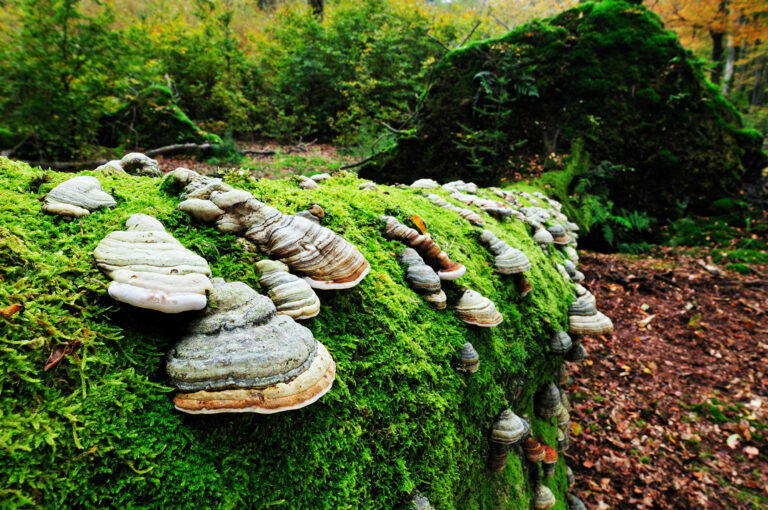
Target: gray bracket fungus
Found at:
467, 214
584, 319
560, 343
240, 356
509, 261
425, 246
467, 187
547, 400
291, 295
423, 279
425, 184
321, 177
508, 429
150, 269
574, 503
543, 498
77, 197
134, 163
469, 359
324, 258
475, 309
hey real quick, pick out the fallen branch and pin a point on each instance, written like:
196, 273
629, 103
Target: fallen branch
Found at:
255, 152
72, 166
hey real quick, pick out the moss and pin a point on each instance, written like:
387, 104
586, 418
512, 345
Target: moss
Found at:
606, 73
100, 429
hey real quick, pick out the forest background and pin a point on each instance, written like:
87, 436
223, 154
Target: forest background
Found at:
82, 80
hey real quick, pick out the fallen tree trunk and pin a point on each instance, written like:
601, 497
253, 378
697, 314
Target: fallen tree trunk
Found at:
72, 166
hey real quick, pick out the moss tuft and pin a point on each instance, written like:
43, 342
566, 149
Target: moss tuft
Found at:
605, 73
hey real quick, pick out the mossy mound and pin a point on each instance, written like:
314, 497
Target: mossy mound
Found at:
607, 73
99, 429
151, 119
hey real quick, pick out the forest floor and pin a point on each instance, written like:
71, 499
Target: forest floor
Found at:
274, 161
671, 411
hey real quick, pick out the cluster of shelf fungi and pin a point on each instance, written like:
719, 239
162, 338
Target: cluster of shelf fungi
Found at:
245, 352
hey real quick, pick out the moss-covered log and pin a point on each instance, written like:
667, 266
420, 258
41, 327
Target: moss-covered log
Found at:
99, 429
607, 73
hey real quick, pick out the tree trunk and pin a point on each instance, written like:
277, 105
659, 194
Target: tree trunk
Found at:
730, 65
717, 55
317, 7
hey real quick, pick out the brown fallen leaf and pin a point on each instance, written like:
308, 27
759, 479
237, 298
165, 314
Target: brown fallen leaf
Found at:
59, 351
9, 310
419, 222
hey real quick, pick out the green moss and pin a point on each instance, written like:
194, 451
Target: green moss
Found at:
100, 429
605, 73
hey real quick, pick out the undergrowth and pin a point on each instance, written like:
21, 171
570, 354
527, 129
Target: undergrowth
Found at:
99, 429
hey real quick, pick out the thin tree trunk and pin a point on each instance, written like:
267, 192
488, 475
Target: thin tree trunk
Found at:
717, 55
730, 63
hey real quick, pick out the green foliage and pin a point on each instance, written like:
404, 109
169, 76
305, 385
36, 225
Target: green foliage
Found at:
58, 72
150, 119
606, 73
100, 429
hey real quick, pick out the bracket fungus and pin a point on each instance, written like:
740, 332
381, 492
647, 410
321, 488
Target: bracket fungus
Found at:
534, 451
543, 237
467, 214
324, 258
470, 359
543, 497
575, 503
425, 184
136, 163
291, 295
550, 461
321, 177
559, 235
150, 269
419, 501
509, 429
560, 343
547, 400
509, 260
425, 246
475, 309
308, 183
423, 279
77, 197
578, 352
467, 187
240, 356
584, 319
313, 213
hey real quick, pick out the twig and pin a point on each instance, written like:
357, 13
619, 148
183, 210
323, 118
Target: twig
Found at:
441, 43
391, 129
361, 162
498, 20
470, 33
7, 153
